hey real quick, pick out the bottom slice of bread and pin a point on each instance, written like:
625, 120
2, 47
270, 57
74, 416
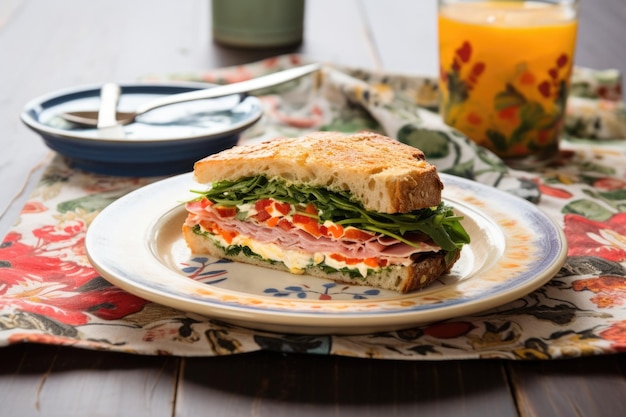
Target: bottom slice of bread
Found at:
402, 279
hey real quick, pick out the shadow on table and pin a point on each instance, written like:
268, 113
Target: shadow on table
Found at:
330, 385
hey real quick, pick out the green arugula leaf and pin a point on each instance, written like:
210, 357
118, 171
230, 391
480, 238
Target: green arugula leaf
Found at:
439, 223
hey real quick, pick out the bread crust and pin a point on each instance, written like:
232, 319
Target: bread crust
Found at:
402, 279
383, 174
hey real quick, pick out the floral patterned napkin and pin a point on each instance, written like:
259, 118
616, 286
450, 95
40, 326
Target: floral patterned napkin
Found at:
49, 293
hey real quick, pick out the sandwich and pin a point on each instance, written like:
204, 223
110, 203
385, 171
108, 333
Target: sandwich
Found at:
361, 209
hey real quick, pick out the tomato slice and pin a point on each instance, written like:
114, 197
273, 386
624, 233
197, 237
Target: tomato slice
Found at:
308, 224
212, 227
205, 202
313, 229
337, 257
371, 262
282, 208
262, 205
310, 209
198, 204
224, 211
356, 234
285, 224
334, 230
302, 219
228, 235
262, 216
207, 225
272, 221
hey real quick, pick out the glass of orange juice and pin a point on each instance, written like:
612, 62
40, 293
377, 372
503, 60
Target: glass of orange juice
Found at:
505, 68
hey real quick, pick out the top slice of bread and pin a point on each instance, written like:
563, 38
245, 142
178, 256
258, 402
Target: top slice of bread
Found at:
383, 174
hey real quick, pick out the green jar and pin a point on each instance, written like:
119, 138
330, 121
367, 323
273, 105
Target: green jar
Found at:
257, 23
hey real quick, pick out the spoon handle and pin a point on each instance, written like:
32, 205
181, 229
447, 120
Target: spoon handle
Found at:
229, 89
109, 96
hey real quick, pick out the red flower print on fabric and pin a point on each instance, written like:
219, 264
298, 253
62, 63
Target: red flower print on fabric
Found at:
586, 237
609, 290
41, 280
617, 334
609, 184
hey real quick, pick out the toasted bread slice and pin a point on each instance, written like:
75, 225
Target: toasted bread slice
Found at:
383, 174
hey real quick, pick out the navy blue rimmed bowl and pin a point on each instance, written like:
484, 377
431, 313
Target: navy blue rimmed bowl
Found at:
164, 141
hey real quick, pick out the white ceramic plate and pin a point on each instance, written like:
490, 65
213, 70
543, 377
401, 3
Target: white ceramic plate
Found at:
136, 243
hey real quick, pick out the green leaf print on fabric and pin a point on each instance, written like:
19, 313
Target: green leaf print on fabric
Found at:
353, 121
614, 198
435, 144
589, 209
89, 203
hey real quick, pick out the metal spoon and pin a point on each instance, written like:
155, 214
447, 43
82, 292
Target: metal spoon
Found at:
107, 124
90, 118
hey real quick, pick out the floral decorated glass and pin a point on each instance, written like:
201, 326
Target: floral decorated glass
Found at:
505, 68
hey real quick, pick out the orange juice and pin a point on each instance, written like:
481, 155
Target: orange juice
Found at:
504, 73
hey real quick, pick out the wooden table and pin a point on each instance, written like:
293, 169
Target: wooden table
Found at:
48, 45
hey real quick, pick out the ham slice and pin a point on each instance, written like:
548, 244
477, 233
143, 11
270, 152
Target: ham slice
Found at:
378, 246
